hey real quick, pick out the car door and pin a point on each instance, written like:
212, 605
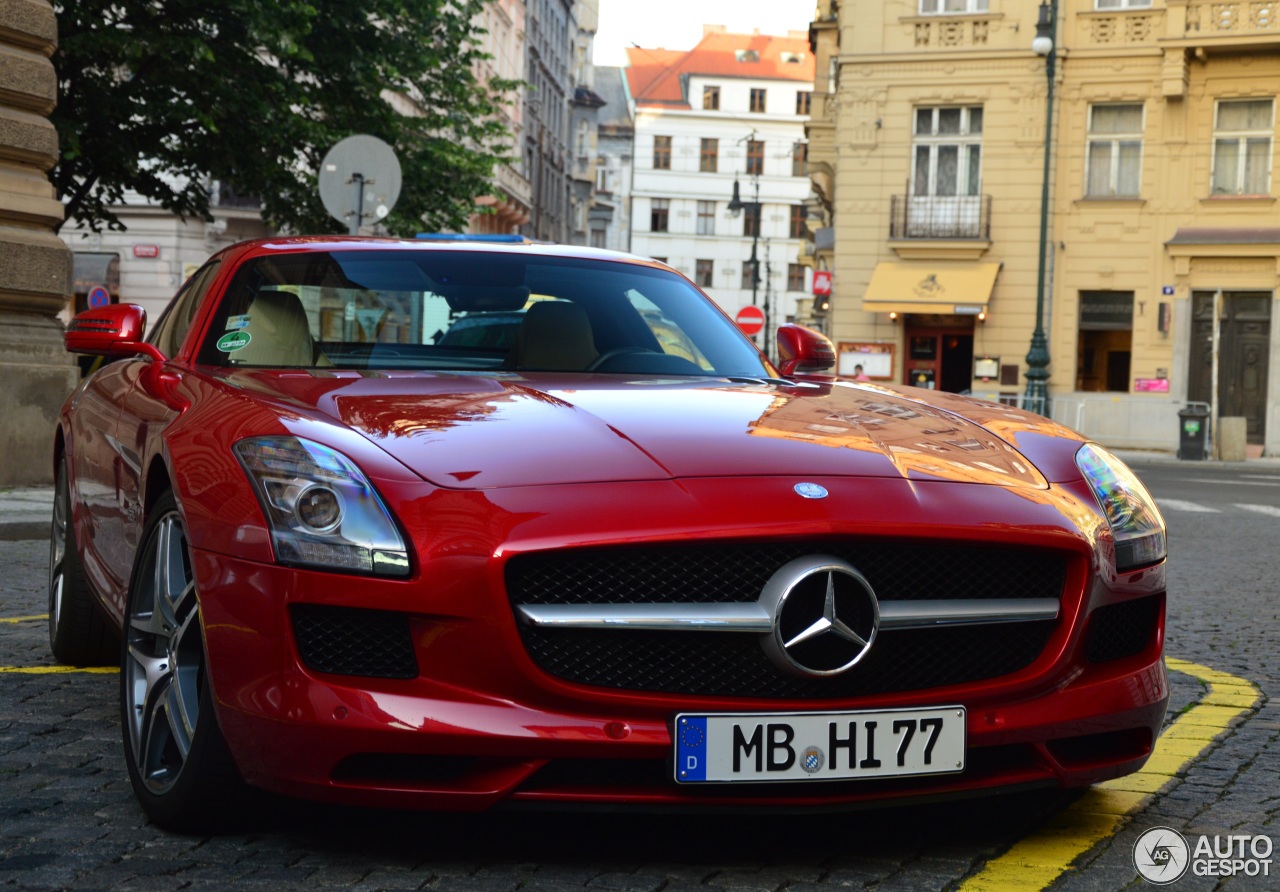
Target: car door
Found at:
144, 415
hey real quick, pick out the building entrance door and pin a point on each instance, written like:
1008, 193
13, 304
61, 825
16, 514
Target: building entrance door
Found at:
1243, 355
939, 352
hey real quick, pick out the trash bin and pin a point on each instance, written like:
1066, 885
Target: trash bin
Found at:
1193, 436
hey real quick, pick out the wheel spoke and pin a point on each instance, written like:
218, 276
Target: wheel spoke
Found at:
181, 717
154, 737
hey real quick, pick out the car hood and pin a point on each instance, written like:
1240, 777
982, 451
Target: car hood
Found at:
476, 432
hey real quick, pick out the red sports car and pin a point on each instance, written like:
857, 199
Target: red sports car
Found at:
592, 549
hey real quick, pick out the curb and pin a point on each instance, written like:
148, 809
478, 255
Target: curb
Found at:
20, 530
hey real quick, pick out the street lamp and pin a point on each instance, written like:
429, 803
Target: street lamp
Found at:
736, 206
1036, 398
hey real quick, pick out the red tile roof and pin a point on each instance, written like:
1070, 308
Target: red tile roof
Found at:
655, 76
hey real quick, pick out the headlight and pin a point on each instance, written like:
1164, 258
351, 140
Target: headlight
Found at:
321, 509
1136, 524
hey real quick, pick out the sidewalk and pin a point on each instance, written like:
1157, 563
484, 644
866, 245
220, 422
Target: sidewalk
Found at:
26, 512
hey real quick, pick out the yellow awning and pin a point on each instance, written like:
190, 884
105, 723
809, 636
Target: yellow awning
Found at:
904, 286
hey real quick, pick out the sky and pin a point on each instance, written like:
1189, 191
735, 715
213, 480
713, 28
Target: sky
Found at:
677, 24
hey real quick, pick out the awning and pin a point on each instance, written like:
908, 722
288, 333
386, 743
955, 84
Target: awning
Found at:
930, 287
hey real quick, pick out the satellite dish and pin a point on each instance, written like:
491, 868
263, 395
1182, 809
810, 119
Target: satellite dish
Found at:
359, 181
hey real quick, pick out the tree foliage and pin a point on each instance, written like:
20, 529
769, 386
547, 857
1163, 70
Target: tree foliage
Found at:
159, 97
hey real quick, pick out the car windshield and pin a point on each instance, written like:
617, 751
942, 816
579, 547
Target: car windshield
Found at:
471, 310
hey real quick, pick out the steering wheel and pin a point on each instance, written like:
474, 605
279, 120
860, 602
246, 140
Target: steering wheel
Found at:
609, 355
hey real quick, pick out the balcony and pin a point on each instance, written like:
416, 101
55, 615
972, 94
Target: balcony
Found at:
946, 217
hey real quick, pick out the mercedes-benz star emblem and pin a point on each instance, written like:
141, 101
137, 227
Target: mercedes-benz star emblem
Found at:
810, 490
825, 616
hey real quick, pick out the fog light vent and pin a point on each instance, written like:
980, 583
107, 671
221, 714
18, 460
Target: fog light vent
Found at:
354, 641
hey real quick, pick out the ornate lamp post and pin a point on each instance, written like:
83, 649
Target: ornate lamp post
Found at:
1036, 398
736, 206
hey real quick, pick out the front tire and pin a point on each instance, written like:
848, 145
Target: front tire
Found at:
179, 764
79, 634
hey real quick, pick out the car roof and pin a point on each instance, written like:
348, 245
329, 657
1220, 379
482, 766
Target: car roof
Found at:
316, 243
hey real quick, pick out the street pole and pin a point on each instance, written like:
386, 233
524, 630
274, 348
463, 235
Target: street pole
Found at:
1036, 398
736, 206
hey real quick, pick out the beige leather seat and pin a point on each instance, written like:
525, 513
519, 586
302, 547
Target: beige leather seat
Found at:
556, 336
278, 333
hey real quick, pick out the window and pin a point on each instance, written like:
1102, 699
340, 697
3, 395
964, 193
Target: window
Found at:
1105, 342
799, 217
1122, 4
662, 153
659, 214
584, 139
947, 151
173, 325
709, 159
803, 101
751, 219
757, 99
749, 280
602, 179
800, 159
795, 277
711, 98
705, 272
1115, 151
948, 7
747, 55
755, 157
706, 218
1242, 147
597, 238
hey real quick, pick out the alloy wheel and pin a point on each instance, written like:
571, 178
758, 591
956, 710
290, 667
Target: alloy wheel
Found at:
164, 658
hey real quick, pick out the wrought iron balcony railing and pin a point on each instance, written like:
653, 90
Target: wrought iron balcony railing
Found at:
940, 217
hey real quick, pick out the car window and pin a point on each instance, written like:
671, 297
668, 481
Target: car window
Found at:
469, 310
176, 321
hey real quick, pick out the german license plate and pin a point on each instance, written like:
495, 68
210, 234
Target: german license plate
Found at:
756, 747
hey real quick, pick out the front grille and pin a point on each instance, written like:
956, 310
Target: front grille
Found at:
737, 572
733, 664
354, 641
725, 664
1122, 630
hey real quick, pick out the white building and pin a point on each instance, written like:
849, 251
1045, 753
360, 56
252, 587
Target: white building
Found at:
731, 110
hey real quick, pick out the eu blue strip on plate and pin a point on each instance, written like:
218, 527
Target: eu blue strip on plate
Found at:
691, 748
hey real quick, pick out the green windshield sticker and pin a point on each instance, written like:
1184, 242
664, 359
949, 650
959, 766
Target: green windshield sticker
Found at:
233, 341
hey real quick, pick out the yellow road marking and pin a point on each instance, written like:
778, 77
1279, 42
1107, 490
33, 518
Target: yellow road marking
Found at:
22, 619
57, 670
1038, 860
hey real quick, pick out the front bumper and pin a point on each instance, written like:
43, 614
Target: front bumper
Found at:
480, 725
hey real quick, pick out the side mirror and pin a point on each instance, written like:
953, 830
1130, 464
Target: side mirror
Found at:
114, 330
803, 351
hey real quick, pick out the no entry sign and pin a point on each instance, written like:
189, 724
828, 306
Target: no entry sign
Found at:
750, 319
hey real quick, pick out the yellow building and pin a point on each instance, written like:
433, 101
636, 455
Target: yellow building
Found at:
928, 147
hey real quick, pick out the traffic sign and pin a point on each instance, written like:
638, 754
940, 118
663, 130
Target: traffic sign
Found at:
98, 297
750, 319
822, 281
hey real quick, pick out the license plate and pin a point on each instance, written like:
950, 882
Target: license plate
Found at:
756, 747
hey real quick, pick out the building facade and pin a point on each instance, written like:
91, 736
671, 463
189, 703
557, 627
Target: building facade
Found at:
509, 205
35, 267
610, 221
929, 147
720, 122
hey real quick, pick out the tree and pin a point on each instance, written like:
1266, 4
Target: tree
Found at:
162, 96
